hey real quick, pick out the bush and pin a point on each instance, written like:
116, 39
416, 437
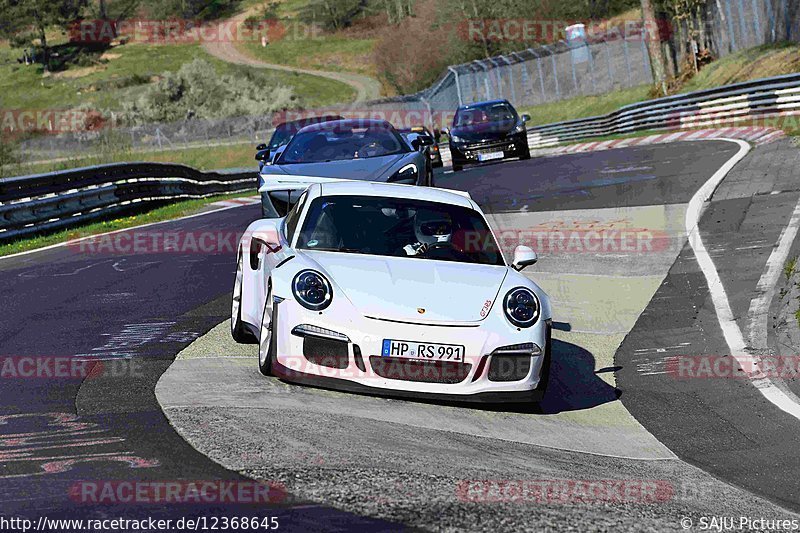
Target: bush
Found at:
8, 156
197, 91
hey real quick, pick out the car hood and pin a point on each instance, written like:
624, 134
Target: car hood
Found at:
397, 288
368, 169
489, 131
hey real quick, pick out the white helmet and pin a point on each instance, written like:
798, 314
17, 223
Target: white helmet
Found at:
432, 227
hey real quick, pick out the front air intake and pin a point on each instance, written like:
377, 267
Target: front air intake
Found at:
326, 352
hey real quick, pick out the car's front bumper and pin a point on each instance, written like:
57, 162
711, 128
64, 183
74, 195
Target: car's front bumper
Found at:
468, 153
359, 365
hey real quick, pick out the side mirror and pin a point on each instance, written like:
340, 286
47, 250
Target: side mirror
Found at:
421, 141
263, 156
426, 140
523, 257
264, 235
261, 146
526, 117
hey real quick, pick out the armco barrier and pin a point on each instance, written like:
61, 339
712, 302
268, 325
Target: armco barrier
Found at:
56, 200
757, 100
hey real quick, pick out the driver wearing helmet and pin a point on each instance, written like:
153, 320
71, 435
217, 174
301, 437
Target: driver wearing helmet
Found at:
430, 228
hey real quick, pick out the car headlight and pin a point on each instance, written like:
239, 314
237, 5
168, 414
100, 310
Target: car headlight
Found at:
521, 307
456, 139
407, 173
519, 129
312, 290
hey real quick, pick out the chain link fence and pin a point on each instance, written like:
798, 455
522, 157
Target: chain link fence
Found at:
736, 25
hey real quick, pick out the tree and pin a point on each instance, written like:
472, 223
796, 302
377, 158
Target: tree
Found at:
654, 46
332, 14
25, 22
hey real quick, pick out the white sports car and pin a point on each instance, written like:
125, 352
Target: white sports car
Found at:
397, 289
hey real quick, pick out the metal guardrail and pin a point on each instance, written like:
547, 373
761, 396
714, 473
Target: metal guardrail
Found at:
56, 200
723, 106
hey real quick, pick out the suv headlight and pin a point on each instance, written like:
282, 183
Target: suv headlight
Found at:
519, 129
312, 290
521, 307
407, 173
456, 139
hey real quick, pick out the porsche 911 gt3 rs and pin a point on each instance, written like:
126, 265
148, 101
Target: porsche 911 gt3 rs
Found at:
391, 288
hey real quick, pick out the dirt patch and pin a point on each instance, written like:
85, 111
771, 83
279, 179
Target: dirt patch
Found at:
77, 72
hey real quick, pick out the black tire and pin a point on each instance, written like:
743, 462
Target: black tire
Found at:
265, 359
457, 167
239, 331
525, 155
430, 179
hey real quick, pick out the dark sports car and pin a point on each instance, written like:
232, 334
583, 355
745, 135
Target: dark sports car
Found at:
283, 134
488, 131
357, 149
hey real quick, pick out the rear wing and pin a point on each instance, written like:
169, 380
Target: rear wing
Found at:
278, 182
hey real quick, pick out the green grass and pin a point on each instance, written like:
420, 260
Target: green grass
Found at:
113, 81
201, 158
759, 62
584, 106
790, 268
324, 52
167, 212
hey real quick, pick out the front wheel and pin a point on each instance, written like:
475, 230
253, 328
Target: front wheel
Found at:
238, 330
267, 342
457, 167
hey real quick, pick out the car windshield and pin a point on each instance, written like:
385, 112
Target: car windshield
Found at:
342, 143
397, 227
500, 112
281, 136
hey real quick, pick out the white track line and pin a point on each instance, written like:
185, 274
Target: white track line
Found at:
730, 330
758, 313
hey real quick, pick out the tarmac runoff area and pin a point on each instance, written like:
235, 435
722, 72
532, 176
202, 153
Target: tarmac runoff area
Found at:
404, 460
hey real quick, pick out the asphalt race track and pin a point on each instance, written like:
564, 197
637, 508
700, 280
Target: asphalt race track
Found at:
355, 462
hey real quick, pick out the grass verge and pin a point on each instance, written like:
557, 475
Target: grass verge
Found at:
159, 214
201, 158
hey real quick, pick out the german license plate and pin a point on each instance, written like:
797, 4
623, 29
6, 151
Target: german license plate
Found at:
423, 350
489, 156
